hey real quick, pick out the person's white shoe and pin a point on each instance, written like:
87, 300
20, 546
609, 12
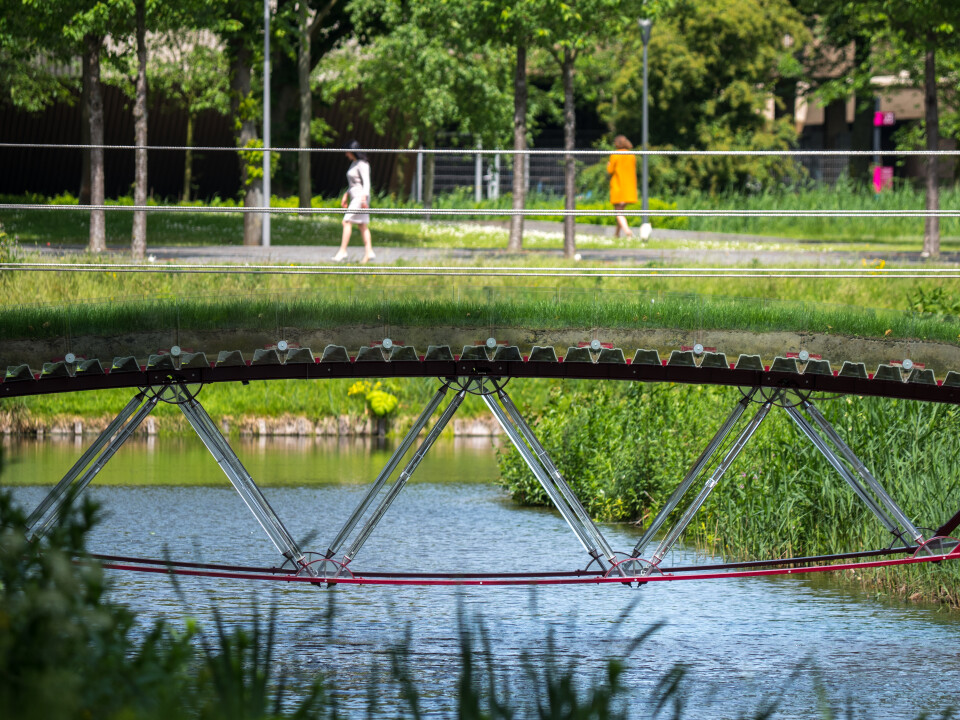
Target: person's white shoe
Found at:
646, 230
339, 257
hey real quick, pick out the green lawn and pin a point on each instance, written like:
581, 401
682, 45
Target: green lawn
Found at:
70, 228
485, 311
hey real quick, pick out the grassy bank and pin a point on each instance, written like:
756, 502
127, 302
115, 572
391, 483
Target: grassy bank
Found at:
625, 447
62, 303
260, 399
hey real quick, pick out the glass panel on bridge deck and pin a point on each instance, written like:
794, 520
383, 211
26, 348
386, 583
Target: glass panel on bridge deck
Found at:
335, 353
647, 357
853, 370
889, 373
438, 352
749, 362
540, 353
230, 358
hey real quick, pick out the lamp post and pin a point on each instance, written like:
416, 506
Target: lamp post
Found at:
646, 25
266, 122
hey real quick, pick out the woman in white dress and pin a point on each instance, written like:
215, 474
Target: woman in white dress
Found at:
356, 199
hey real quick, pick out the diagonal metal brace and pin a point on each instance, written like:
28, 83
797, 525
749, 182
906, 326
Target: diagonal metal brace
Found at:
741, 442
820, 444
543, 478
82, 472
387, 471
241, 480
404, 476
863, 472
571, 499
693, 474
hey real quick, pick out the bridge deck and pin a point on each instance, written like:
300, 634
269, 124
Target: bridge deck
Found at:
336, 362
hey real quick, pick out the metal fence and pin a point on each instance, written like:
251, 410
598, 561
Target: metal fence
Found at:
489, 176
826, 170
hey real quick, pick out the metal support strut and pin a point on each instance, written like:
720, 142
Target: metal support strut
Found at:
814, 437
863, 472
677, 530
408, 471
519, 433
693, 474
387, 471
241, 480
120, 430
80, 475
553, 483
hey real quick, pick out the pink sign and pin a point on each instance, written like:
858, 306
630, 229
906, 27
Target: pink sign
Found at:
882, 178
884, 119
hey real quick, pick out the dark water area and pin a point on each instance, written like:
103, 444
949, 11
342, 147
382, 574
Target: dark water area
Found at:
744, 641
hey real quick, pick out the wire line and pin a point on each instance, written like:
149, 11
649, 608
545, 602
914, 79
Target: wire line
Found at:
455, 212
482, 151
479, 271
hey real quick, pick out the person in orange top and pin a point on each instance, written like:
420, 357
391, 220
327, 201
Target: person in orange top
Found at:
622, 170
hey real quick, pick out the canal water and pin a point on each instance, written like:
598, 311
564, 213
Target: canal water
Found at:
803, 643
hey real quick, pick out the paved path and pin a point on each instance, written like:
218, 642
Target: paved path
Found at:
639, 255
313, 255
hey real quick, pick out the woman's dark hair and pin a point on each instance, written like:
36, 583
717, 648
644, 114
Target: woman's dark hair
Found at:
352, 147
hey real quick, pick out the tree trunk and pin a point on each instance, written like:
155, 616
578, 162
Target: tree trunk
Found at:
84, 194
569, 164
98, 220
138, 240
252, 187
931, 231
519, 144
188, 160
306, 107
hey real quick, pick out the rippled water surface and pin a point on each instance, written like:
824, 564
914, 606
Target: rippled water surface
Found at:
744, 640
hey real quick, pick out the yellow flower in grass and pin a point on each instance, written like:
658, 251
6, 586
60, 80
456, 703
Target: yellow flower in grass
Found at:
360, 387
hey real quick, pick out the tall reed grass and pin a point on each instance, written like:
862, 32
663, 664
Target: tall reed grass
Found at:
624, 449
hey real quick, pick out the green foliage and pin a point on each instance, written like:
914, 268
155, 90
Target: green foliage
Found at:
321, 132
620, 447
934, 300
188, 73
713, 67
253, 160
60, 631
379, 402
450, 81
624, 449
9, 248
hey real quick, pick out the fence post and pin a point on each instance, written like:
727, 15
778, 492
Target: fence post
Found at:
420, 175
478, 174
494, 192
